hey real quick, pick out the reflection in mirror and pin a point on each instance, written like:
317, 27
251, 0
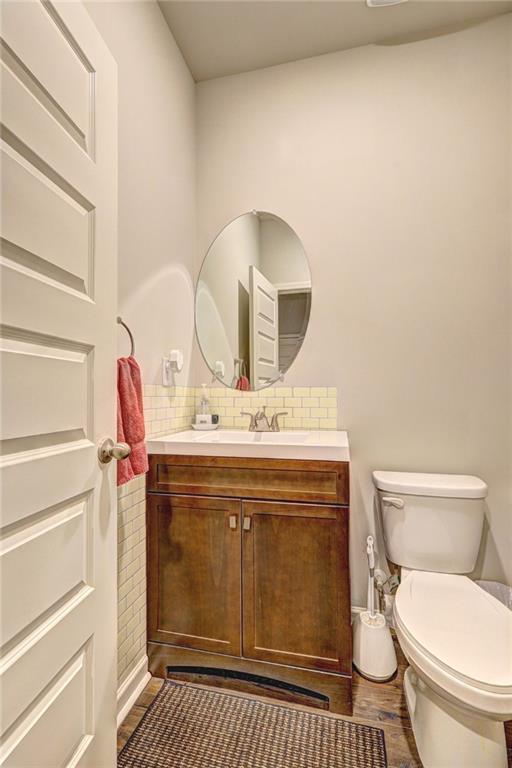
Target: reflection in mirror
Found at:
253, 300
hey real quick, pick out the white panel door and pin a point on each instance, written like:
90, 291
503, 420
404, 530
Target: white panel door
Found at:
264, 329
57, 358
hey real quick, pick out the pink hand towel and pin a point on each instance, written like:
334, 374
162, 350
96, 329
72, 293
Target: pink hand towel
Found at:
243, 384
130, 420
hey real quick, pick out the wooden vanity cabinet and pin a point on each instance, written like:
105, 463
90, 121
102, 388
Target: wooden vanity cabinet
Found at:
251, 592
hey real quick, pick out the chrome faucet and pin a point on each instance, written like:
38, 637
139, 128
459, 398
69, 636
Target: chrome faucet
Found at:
260, 423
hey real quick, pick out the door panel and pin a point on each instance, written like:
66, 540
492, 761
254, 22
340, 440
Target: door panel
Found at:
58, 413
264, 329
29, 35
39, 665
296, 602
44, 200
58, 350
63, 710
45, 581
194, 572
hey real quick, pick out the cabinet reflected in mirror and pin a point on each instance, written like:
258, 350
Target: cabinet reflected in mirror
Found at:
253, 300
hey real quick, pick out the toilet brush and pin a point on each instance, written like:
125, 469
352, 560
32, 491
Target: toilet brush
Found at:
374, 653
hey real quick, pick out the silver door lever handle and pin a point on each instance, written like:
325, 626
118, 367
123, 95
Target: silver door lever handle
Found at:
108, 450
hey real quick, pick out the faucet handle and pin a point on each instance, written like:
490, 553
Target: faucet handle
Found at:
274, 424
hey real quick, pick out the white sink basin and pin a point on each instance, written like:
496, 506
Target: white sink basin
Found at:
323, 445
234, 436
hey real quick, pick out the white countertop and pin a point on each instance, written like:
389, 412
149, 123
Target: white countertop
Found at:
323, 445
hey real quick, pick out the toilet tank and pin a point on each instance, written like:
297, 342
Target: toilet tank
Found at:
431, 522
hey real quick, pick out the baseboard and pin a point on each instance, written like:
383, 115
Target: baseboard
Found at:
131, 688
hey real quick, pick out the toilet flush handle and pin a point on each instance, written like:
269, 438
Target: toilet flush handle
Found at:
392, 501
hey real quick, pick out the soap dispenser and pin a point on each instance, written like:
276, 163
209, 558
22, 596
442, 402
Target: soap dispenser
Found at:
204, 418
204, 404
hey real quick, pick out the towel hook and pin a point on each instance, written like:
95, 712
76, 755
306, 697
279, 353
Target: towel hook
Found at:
120, 322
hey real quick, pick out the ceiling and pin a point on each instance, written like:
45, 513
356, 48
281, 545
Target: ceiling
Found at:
226, 37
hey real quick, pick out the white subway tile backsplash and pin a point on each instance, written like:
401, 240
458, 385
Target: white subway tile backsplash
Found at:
291, 422
173, 408
131, 574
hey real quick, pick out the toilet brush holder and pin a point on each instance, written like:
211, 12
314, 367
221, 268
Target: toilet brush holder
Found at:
373, 650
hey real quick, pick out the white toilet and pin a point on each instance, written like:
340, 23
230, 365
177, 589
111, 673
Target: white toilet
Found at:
456, 637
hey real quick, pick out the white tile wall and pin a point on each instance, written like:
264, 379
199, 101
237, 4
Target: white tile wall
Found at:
171, 409
307, 407
168, 409
131, 575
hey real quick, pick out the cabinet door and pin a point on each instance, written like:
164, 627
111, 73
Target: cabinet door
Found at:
194, 572
296, 595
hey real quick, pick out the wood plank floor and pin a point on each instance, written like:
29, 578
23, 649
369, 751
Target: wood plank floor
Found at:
378, 704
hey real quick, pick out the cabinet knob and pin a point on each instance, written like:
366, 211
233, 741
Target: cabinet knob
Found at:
232, 522
247, 523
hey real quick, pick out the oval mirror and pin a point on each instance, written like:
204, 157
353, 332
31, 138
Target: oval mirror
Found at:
253, 300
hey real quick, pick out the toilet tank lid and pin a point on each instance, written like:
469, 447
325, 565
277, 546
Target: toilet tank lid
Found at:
422, 484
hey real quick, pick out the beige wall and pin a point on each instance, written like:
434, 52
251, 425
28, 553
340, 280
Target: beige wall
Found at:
156, 253
393, 164
156, 183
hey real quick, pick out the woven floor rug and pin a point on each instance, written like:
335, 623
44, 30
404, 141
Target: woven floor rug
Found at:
187, 727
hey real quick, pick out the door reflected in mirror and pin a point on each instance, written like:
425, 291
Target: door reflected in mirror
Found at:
253, 300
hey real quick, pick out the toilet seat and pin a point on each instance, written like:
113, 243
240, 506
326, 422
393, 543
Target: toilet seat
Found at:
459, 637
